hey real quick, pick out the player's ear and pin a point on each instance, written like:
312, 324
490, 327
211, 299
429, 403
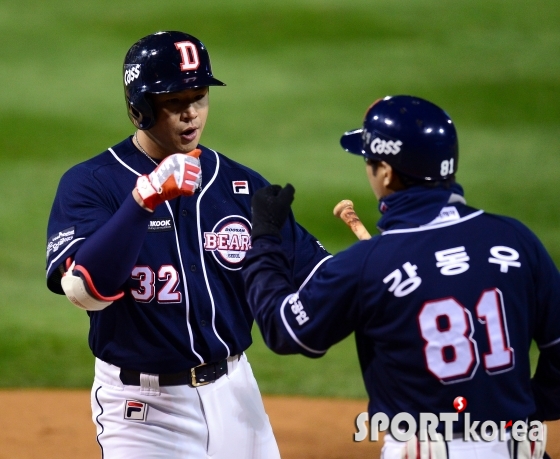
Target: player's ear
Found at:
385, 173
391, 179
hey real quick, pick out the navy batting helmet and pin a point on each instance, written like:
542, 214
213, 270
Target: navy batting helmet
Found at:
160, 63
416, 137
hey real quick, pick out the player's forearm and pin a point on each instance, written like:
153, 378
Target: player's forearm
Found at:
110, 253
267, 277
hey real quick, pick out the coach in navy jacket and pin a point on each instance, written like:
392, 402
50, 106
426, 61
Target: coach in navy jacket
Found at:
444, 302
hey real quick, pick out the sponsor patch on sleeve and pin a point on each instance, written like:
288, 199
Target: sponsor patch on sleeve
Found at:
60, 240
298, 309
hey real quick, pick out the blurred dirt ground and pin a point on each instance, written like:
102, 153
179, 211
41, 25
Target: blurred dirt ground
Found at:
56, 424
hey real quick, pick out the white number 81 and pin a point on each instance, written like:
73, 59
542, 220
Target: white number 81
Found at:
446, 167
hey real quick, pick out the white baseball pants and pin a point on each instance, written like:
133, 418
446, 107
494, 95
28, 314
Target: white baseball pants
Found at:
221, 420
458, 449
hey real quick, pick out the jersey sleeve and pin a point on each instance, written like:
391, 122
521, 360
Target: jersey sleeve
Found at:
305, 252
546, 381
305, 319
80, 207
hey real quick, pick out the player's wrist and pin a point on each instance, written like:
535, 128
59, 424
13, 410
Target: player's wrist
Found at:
265, 229
140, 197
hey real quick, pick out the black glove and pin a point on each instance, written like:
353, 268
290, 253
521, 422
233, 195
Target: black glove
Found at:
270, 207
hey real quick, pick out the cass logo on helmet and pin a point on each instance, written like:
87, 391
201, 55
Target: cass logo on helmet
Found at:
131, 72
416, 137
387, 147
229, 241
170, 62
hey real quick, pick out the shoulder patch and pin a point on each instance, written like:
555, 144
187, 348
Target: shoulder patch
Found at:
59, 240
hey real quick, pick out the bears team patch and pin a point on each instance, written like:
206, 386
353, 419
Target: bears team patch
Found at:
240, 187
229, 241
135, 410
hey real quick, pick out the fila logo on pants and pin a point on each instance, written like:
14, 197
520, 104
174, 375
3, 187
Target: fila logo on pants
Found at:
135, 410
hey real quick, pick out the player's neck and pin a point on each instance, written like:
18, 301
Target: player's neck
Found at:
148, 147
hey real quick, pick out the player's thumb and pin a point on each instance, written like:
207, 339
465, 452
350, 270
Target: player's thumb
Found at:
286, 194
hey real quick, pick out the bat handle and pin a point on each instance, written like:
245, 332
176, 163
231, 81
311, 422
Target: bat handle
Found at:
345, 211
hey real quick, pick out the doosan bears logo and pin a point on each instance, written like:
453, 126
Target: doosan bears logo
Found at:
229, 241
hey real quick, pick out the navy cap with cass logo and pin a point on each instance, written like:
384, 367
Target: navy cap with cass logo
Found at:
416, 137
161, 63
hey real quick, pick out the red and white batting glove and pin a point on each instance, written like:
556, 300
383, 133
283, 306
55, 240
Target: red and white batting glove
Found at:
177, 175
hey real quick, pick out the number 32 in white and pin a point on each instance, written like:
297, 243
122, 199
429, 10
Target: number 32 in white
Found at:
146, 291
447, 329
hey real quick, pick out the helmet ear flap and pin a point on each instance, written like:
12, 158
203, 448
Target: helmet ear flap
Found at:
140, 111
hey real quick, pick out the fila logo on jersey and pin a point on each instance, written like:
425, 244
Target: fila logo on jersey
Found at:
135, 410
229, 241
162, 224
388, 147
240, 187
131, 73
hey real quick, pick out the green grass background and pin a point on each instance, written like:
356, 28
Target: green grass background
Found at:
298, 74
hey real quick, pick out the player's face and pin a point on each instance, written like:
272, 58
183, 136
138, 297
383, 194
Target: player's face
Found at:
180, 120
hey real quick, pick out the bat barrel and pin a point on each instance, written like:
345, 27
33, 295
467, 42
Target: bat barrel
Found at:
345, 211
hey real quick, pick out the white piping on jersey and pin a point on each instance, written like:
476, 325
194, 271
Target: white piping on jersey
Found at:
202, 252
185, 288
187, 302
313, 272
436, 226
62, 253
552, 343
123, 163
288, 328
291, 332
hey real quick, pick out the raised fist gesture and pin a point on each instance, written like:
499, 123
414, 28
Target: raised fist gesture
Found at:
176, 175
270, 208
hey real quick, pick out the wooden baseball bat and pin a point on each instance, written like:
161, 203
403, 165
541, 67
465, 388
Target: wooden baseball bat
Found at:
345, 211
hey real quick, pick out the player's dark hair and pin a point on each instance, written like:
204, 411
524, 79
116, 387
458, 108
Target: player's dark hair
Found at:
409, 182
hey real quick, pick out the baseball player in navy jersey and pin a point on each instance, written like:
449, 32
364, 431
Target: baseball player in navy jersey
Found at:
148, 237
444, 302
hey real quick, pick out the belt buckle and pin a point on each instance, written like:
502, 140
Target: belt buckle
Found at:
194, 383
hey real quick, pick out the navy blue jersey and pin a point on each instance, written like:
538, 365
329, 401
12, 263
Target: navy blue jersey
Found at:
439, 311
184, 300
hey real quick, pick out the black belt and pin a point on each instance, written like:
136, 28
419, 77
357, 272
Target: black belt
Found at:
196, 376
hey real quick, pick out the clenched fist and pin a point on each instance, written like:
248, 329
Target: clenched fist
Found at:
270, 208
177, 175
